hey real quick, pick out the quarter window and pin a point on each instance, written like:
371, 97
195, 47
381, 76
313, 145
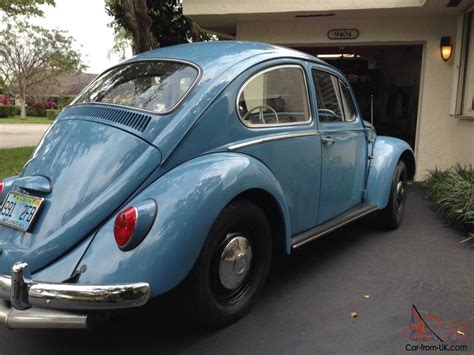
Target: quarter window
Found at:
327, 96
275, 97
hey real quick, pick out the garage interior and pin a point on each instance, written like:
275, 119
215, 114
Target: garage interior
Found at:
389, 75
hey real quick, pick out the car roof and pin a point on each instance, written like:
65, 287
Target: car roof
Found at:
220, 63
223, 53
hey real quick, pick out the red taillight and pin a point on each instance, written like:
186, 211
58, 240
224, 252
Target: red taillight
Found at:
124, 226
1, 187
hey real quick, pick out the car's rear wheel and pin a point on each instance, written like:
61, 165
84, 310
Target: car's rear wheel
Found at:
233, 264
391, 216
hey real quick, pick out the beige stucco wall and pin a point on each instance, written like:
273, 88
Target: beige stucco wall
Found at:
442, 140
223, 7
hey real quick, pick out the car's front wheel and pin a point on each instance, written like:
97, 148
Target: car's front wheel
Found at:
233, 264
391, 216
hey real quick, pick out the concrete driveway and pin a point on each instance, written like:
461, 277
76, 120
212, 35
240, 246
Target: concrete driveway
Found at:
21, 135
306, 306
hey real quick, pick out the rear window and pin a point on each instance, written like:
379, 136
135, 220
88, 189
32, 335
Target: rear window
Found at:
156, 86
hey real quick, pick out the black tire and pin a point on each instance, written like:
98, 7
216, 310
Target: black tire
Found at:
391, 216
215, 304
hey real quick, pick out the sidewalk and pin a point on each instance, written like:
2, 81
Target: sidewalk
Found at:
21, 135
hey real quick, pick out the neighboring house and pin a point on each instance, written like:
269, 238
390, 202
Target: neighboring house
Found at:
391, 52
66, 84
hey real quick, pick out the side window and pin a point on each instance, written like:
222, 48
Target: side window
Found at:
327, 96
350, 112
277, 96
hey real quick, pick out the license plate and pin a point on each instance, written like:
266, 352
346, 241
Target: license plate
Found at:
19, 210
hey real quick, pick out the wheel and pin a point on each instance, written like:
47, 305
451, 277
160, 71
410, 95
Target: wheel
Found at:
232, 266
391, 216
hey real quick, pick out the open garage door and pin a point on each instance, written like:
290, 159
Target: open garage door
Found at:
389, 76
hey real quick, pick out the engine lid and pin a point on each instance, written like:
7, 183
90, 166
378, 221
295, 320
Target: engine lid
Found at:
93, 169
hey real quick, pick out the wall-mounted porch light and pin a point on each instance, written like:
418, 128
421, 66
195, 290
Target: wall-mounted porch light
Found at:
446, 48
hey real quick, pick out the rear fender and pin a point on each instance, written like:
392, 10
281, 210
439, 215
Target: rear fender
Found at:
189, 199
387, 152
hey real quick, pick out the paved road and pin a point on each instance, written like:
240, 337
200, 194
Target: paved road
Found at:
307, 304
21, 135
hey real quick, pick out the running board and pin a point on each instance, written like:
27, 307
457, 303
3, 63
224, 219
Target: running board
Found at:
349, 216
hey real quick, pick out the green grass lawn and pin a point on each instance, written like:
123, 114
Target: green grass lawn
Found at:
13, 159
17, 119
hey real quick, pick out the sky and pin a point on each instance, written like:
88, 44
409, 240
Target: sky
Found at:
86, 21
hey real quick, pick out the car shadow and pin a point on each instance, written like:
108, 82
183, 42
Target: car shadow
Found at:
169, 320
295, 286
166, 322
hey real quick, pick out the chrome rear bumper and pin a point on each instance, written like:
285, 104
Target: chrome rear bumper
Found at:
42, 318
52, 305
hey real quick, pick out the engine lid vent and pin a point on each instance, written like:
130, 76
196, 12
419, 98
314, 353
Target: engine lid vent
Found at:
134, 120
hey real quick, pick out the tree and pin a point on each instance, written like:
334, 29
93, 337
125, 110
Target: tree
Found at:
153, 23
31, 55
122, 42
3, 86
23, 7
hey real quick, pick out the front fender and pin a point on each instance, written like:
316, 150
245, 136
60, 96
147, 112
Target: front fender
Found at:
189, 199
386, 154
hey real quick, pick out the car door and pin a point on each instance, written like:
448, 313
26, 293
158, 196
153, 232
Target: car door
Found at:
276, 121
343, 150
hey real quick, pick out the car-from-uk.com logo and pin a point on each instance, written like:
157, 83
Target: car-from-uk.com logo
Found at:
429, 332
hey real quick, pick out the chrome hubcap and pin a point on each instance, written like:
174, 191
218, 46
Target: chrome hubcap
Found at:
400, 192
235, 262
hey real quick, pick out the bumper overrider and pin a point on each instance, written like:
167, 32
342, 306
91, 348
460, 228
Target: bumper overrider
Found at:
25, 303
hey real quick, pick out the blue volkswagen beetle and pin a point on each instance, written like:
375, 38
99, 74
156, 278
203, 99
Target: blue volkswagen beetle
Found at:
190, 165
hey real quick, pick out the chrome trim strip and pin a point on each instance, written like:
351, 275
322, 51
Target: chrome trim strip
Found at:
317, 235
271, 139
191, 64
307, 122
24, 293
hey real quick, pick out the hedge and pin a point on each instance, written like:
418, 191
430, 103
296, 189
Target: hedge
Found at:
63, 101
51, 114
7, 111
35, 112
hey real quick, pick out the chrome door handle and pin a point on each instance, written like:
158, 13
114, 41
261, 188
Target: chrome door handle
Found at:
328, 140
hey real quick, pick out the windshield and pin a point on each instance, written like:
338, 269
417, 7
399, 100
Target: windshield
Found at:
152, 85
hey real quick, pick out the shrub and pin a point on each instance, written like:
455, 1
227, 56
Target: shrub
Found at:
51, 104
35, 111
7, 111
4, 100
52, 113
452, 192
63, 101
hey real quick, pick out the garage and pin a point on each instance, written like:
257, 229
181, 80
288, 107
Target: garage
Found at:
410, 62
385, 80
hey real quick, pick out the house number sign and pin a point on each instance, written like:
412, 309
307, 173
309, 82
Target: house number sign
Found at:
343, 33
